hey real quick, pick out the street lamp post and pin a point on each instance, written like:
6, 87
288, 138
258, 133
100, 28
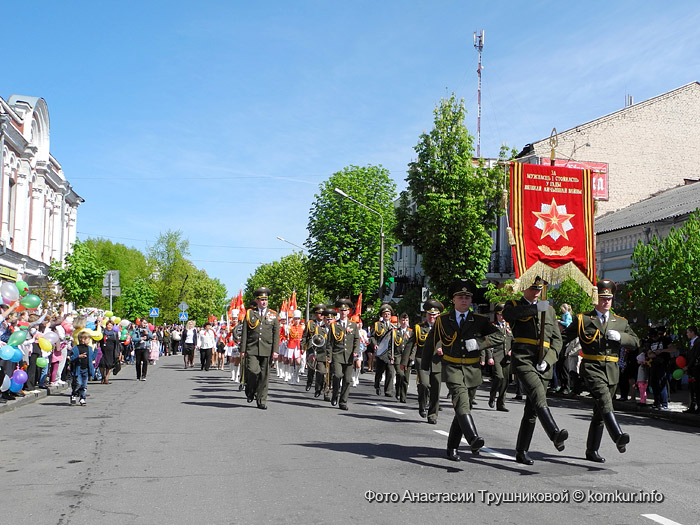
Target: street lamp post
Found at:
381, 237
308, 281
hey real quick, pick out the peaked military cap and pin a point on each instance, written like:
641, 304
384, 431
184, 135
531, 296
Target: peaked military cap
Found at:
262, 293
433, 306
499, 308
329, 311
538, 283
319, 308
386, 308
606, 288
462, 287
343, 304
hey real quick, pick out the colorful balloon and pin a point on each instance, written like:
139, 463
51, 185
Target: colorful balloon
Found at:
116, 320
6, 352
9, 292
681, 362
42, 362
51, 337
20, 376
68, 327
17, 356
17, 338
22, 288
677, 373
30, 302
15, 387
5, 384
45, 344
109, 313
124, 323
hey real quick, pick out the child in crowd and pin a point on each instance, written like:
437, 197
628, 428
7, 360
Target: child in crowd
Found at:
81, 358
642, 377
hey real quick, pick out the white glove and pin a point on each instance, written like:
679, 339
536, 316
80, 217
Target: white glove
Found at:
471, 345
542, 366
613, 335
542, 305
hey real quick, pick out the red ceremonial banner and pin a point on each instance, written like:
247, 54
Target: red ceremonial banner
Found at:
551, 210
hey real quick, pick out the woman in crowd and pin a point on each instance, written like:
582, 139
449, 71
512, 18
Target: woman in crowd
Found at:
364, 340
175, 334
188, 342
110, 346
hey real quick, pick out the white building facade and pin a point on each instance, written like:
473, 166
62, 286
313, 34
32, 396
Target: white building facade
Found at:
38, 207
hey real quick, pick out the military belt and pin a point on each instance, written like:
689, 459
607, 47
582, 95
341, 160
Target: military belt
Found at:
461, 361
591, 357
529, 341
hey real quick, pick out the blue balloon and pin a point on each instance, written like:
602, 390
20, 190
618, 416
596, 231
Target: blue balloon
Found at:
91, 326
17, 356
6, 352
15, 387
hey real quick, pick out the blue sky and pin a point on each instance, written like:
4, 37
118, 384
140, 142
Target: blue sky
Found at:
221, 118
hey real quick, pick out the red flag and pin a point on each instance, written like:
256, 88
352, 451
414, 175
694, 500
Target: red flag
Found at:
358, 306
551, 213
293, 301
239, 300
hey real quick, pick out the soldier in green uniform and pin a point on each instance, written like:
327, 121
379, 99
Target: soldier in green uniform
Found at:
322, 355
463, 335
407, 341
343, 345
501, 362
383, 341
524, 318
260, 340
428, 380
601, 333
310, 330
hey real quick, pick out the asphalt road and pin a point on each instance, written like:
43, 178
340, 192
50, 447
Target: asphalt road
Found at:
185, 447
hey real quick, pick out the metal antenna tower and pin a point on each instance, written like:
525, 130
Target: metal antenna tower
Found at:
479, 46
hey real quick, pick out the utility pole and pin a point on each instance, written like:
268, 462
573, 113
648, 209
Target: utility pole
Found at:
479, 46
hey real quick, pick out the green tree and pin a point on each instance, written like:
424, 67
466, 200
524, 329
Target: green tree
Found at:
452, 203
79, 275
137, 298
205, 296
571, 293
344, 237
283, 277
664, 276
500, 294
173, 275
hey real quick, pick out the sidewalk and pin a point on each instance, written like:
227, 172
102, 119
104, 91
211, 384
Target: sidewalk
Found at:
677, 404
32, 397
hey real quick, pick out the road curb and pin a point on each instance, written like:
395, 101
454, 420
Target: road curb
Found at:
32, 397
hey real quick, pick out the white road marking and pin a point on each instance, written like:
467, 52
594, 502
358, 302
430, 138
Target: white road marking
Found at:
387, 408
483, 449
660, 519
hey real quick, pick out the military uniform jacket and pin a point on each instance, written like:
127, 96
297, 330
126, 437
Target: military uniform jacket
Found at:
321, 353
420, 336
343, 343
524, 320
600, 355
310, 330
500, 352
413, 347
456, 359
261, 335
406, 347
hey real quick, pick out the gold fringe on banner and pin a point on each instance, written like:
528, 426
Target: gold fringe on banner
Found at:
556, 276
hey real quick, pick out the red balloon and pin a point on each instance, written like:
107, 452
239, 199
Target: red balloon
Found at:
680, 361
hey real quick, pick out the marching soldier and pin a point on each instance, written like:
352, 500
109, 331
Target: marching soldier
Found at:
383, 342
406, 336
342, 344
524, 318
322, 355
428, 380
501, 363
310, 330
259, 342
463, 335
601, 333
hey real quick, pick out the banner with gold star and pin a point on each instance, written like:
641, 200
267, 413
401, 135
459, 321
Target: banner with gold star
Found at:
551, 215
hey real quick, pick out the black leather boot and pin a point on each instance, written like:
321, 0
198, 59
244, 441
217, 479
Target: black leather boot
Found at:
620, 438
453, 440
466, 423
595, 434
336, 386
550, 427
522, 445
